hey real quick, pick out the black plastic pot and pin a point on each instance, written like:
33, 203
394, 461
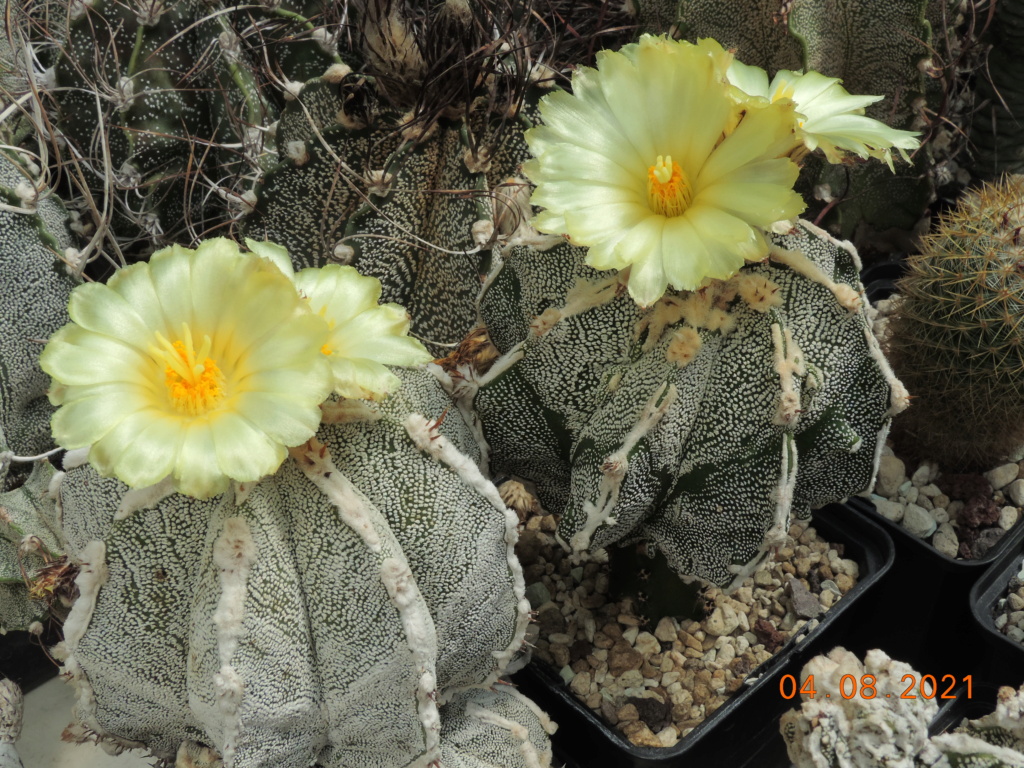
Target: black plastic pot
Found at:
743, 731
927, 632
23, 660
1005, 656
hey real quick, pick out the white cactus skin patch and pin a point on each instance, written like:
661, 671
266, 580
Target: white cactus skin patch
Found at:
233, 554
601, 510
425, 436
311, 674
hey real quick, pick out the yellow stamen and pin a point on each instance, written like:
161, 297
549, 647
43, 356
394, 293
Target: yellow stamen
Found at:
193, 380
326, 350
668, 190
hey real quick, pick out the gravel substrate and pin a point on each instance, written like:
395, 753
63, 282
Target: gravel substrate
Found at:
961, 515
1010, 610
658, 683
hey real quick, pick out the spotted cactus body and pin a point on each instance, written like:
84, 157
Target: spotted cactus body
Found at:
33, 302
345, 610
699, 424
362, 187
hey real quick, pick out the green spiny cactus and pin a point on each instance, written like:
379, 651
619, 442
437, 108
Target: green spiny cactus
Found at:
954, 336
345, 611
998, 128
698, 425
166, 108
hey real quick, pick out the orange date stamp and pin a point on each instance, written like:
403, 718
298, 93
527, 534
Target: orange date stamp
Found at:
865, 687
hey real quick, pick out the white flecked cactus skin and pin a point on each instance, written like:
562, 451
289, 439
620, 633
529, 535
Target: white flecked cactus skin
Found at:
700, 424
351, 610
11, 708
33, 299
34, 289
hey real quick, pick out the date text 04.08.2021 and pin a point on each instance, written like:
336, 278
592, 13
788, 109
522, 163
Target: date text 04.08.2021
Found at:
865, 687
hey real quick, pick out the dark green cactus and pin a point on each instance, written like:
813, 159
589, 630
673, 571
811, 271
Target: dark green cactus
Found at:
698, 425
399, 203
954, 336
167, 106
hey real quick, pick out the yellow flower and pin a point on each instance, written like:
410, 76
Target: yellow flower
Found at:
653, 164
364, 336
829, 117
200, 365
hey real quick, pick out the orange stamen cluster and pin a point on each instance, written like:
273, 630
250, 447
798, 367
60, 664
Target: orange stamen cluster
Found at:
668, 190
194, 387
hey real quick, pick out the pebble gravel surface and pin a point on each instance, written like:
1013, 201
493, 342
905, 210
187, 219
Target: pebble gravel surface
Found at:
657, 683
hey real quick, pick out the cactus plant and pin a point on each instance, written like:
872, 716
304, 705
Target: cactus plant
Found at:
884, 726
332, 612
34, 238
997, 131
166, 108
699, 424
701, 420
873, 48
953, 336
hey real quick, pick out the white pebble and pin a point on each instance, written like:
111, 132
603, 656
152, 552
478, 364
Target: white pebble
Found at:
917, 521
945, 540
1015, 491
1008, 517
940, 515
1002, 476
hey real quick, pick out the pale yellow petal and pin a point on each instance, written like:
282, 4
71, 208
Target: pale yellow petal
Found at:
244, 453
289, 420
591, 225
84, 420
152, 454
75, 356
196, 469
642, 248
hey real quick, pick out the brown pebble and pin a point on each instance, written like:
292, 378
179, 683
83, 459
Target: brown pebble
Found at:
529, 546
654, 712
559, 655
640, 735
622, 657
701, 693
612, 630
627, 713
580, 684
579, 649
550, 619
609, 712
768, 634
